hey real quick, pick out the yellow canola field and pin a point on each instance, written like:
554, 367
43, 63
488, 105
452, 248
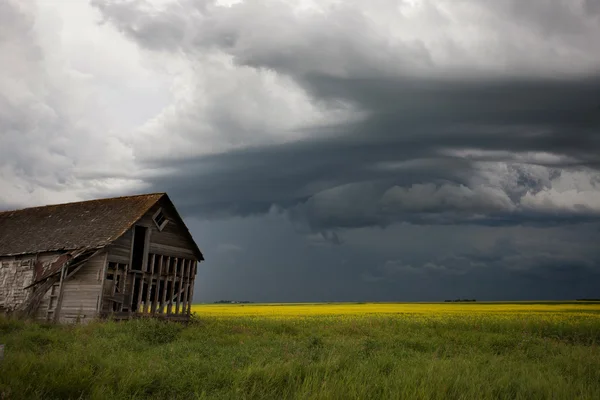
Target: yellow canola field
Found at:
566, 309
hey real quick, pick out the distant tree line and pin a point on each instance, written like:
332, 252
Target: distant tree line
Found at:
460, 301
231, 302
587, 300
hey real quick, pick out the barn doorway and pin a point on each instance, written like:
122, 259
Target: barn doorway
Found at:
139, 247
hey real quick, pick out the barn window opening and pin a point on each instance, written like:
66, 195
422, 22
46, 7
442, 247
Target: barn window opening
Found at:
136, 292
139, 244
160, 219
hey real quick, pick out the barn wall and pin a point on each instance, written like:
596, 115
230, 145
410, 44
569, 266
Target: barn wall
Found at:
82, 292
119, 251
172, 240
146, 291
43, 308
15, 274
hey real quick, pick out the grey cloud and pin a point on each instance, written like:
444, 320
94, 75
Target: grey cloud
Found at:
547, 258
324, 238
482, 262
342, 187
52, 123
431, 198
29, 120
229, 248
529, 91
324, 41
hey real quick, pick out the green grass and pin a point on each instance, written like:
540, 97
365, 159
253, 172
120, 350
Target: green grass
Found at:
324, 357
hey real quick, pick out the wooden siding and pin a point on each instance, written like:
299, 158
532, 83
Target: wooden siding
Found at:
15, 274
42, 311
156, 280
172, 240
82, 292
119, 251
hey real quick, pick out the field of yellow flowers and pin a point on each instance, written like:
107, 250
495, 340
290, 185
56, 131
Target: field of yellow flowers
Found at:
549, 310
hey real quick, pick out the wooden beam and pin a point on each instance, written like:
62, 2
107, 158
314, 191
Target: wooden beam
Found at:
186, 280
125, 279
114, 284
114, 280
172, 260
100, 298
189, 280
77, 266
178, 273
163, 303
60, 293
192, 288
141, 290
156, 291
150, 269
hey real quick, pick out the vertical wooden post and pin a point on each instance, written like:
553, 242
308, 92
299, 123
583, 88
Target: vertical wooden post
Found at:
60, 293
186, 280
163, 304
112, 286
156, 291
188, 299
190, 280
150, 269
100, 298
125, 273
172, 279
191, 299
140, 292
178, 274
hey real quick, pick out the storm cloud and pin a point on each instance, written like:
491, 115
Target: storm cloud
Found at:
332, 122
460, 121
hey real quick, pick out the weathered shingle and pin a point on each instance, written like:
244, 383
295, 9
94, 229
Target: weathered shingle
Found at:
86, 224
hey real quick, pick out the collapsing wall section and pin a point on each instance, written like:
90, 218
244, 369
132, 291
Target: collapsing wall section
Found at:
34, 286
164, 287
16, 273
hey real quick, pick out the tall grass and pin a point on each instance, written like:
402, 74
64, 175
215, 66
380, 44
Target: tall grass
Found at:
364, 356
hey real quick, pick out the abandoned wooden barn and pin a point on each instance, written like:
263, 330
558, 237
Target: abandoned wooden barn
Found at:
122, 257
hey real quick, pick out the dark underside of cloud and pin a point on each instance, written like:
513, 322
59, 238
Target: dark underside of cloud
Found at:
453, 141
404, 161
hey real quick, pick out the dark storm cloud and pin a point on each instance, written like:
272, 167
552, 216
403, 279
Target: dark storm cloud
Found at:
371, 150
400, 263
423, 108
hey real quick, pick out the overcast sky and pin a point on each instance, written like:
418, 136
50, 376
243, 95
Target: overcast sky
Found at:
330, 150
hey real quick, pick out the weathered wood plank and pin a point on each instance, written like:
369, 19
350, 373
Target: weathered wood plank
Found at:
150, 268
192, 284
178, 276
173, 251
157, 290
186, 274
167, 298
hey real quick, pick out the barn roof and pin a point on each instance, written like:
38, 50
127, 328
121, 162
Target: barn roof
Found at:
85, 224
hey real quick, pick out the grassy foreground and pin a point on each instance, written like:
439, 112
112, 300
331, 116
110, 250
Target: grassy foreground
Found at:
326, 351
